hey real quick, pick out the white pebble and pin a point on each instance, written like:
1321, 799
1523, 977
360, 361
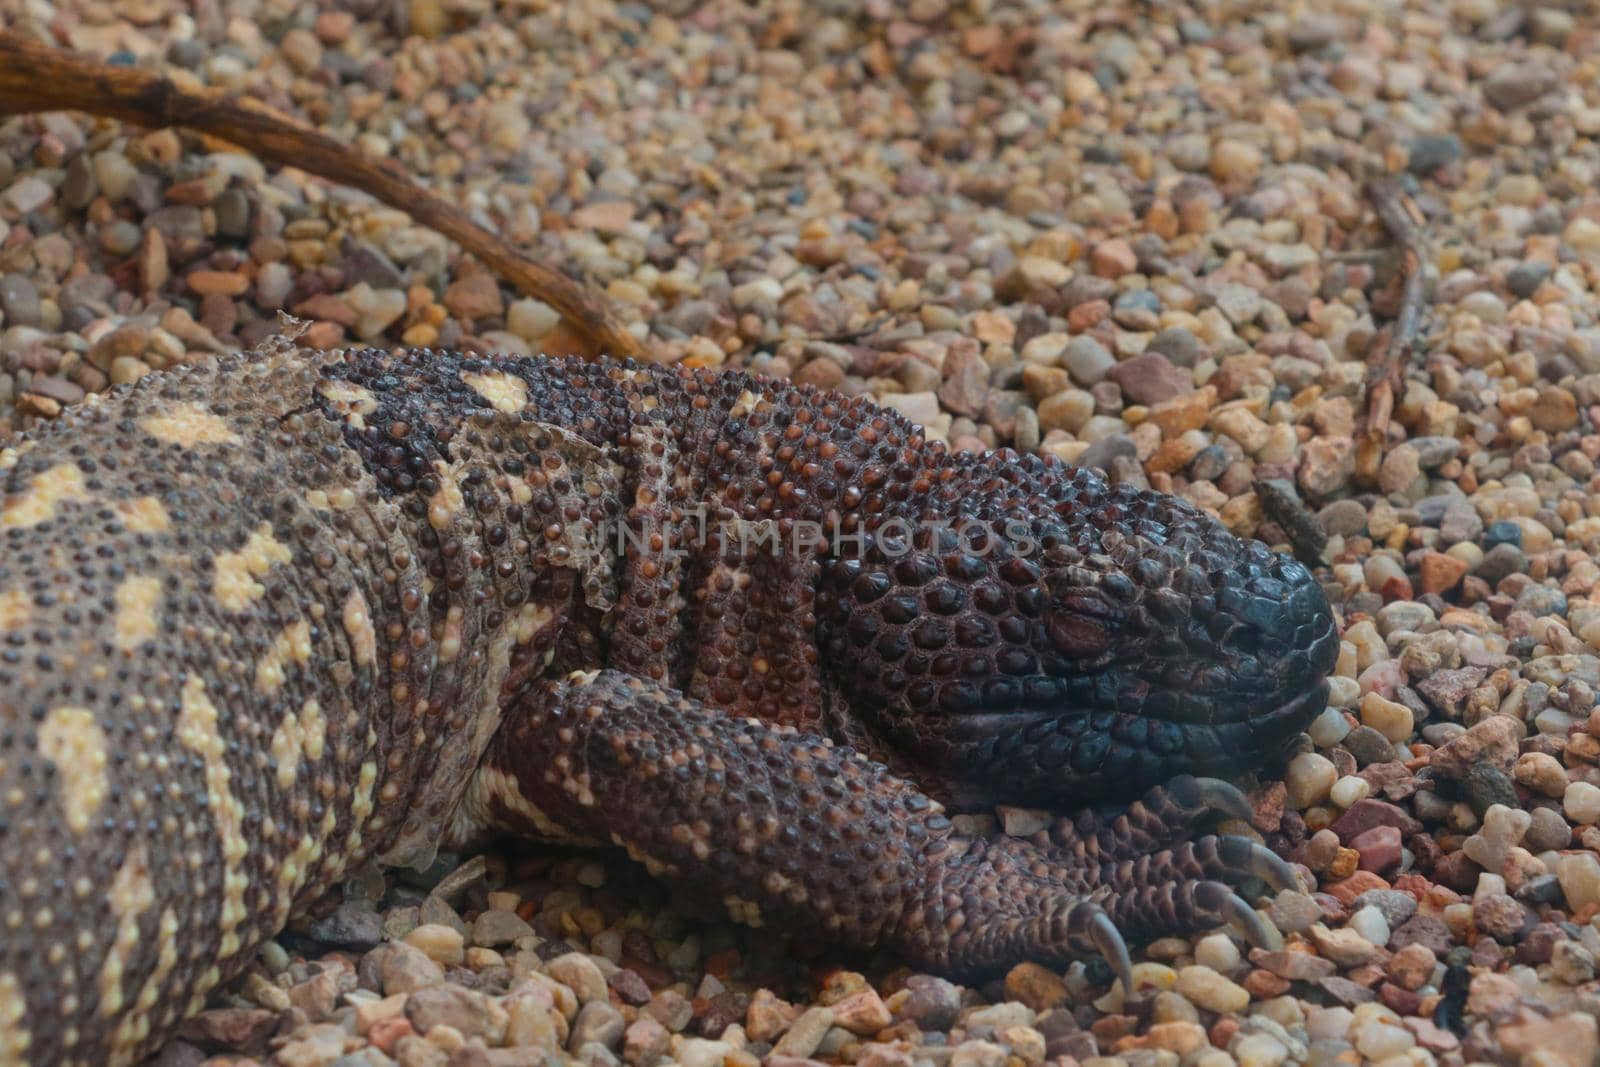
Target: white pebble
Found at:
762, 292
1553, 721
531, 319
702, 1052
28, 193
1218, 952
114, 174
1378, 1041
377, 308
1370, 924
1310, 778
1343, 692
1503, 829
1329, 1024
1349, 789
1489, 885
1582, 803
1329, 728
1260, 1050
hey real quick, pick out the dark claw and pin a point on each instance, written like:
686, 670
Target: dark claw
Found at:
1103, 932
1261, 863
1250, 925
1270, 867
1221, 796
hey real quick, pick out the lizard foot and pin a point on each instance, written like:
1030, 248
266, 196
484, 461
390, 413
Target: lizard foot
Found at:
1182, 890
788, 829
1164, 815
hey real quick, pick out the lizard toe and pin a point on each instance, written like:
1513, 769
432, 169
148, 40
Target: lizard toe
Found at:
1213, 794
1224, 858
1108, 941
1250, 924
1160, 819
1185, 906
1243, 855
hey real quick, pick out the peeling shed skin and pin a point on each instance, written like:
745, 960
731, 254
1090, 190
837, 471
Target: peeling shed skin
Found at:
270, 618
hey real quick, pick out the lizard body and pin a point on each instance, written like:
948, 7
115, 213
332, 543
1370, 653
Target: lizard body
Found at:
269, 618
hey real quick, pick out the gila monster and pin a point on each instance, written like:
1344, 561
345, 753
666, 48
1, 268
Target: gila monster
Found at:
270, 618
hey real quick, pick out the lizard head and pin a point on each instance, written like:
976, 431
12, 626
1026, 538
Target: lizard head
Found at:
1052, 637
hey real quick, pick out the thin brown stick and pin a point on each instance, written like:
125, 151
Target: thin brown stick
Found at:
1386, 365
35, 77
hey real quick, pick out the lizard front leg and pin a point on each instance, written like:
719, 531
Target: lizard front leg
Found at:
788, 828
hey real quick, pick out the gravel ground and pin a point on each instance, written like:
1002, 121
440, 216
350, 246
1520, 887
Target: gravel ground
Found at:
1133, 235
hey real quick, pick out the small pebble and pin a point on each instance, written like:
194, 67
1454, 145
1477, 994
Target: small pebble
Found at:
1310, 779
1217, 952
1370, 924
1581, 802
1349, 789
1207, 989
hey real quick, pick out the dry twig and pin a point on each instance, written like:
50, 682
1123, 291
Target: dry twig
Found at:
1390, 355
35, 78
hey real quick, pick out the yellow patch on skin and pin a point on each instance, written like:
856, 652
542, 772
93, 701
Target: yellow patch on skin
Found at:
38, 502
450, 636
314, 728
138, 617
361, 803
653, 867
292, 646
132, 893
286, 742
135, 1025
748, 402
197, 732
15, 607
778, 885
234, 585
14, 1036
696, 835
357, 617
143, 514
504, 392
531, 618
491, 788
444, 504
72, 740
743, 911
294, 873
189, 424
331, 500
352, 401
306, 733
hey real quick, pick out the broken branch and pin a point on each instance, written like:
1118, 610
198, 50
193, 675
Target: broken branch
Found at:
1386, 364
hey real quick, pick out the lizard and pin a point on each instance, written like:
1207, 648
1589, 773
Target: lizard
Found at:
276, 616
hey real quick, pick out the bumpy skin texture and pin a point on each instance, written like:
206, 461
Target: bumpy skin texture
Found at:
268, 619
